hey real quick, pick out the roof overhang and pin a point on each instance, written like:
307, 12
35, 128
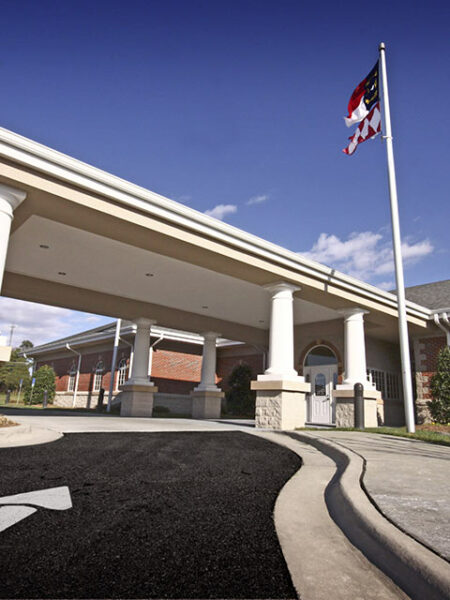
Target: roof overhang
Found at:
118, 249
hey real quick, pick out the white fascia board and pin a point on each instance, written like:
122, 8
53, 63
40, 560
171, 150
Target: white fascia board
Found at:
41, 158
80, 341
89, 338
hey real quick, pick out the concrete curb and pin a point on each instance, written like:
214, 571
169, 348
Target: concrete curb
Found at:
414, 568
312, 543
26, 435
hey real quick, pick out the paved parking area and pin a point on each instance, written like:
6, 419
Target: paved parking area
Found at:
160, 515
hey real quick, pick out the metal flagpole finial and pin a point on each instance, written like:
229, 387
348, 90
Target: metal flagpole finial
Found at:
382, 46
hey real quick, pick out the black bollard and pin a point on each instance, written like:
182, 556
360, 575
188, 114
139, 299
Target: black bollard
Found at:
8, 397
359, 405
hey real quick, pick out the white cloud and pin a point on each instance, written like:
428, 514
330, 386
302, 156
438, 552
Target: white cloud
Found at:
40, 323
386, 285
221, 210
366, 255
257, 199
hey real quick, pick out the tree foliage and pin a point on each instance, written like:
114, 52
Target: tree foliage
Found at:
440, 389
13, 371
26, 345
45, 380
240, 398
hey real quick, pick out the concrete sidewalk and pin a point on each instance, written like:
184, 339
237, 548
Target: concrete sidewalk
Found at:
92, 422
408, 480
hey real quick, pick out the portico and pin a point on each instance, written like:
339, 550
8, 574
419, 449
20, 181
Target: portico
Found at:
84, 239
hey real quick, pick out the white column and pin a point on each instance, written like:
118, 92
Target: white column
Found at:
139, 371
355, 349
281, 338
10, 198
208, 377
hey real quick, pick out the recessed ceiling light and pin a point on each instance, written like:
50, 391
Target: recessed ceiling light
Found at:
61, 273
44, 246
149, 274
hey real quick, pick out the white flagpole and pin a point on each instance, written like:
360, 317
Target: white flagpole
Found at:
402, 322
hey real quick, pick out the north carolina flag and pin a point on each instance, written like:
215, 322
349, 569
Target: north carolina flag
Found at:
363, 98
370, 127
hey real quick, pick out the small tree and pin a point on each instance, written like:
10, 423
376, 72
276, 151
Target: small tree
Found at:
240, 398
26, 345
13, 371
45, 380
440, 389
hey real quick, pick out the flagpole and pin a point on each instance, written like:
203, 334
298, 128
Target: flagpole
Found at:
402, 322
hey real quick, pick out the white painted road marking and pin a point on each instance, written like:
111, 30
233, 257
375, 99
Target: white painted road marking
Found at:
52, 498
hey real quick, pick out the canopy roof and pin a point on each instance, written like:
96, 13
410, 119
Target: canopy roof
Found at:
90, 241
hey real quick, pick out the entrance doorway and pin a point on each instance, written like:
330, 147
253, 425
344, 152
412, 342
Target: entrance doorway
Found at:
321, 370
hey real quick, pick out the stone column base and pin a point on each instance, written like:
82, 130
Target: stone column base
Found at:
137, 400
345, 408
280, 404
206, 404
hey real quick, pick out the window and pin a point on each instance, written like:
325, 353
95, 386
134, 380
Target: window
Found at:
387, 383
72, 377
320, 385
320, 355
98, 376
122, 370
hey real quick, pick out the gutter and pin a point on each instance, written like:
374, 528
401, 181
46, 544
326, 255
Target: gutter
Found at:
38, 157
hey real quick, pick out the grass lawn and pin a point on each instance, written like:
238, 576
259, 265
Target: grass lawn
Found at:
434, 434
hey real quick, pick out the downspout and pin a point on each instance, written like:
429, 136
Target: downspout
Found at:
113, 364
150, 360
263, 351
445, 329
75, 389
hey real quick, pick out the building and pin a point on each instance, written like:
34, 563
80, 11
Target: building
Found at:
78, 237
175, 361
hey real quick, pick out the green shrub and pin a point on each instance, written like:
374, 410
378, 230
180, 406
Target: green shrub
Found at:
240, 399
440, 389
45, 380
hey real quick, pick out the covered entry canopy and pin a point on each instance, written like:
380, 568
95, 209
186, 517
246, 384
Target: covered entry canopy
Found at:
86, 240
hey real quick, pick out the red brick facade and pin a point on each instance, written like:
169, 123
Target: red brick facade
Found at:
426, 351
173, 371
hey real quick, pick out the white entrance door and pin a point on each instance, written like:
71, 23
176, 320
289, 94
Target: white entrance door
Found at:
320, 405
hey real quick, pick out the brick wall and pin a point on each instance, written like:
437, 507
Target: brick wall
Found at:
426, 351
173, 371
225, 365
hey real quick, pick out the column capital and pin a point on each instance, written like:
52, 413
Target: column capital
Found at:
143, 323
210, 335
11, 196
282, 286
352, 312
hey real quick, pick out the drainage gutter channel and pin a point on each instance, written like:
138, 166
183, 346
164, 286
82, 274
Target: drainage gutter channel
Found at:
412, 566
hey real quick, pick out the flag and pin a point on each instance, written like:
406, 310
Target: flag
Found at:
363, 98
370, 127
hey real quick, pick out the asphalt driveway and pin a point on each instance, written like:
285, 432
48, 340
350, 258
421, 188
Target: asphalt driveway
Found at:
155, 515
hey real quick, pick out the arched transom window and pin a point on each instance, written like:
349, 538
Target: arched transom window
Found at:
319, 356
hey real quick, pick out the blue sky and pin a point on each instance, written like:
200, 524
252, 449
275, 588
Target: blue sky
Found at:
240, 104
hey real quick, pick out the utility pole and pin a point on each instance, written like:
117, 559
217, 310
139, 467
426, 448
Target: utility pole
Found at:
12, 327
